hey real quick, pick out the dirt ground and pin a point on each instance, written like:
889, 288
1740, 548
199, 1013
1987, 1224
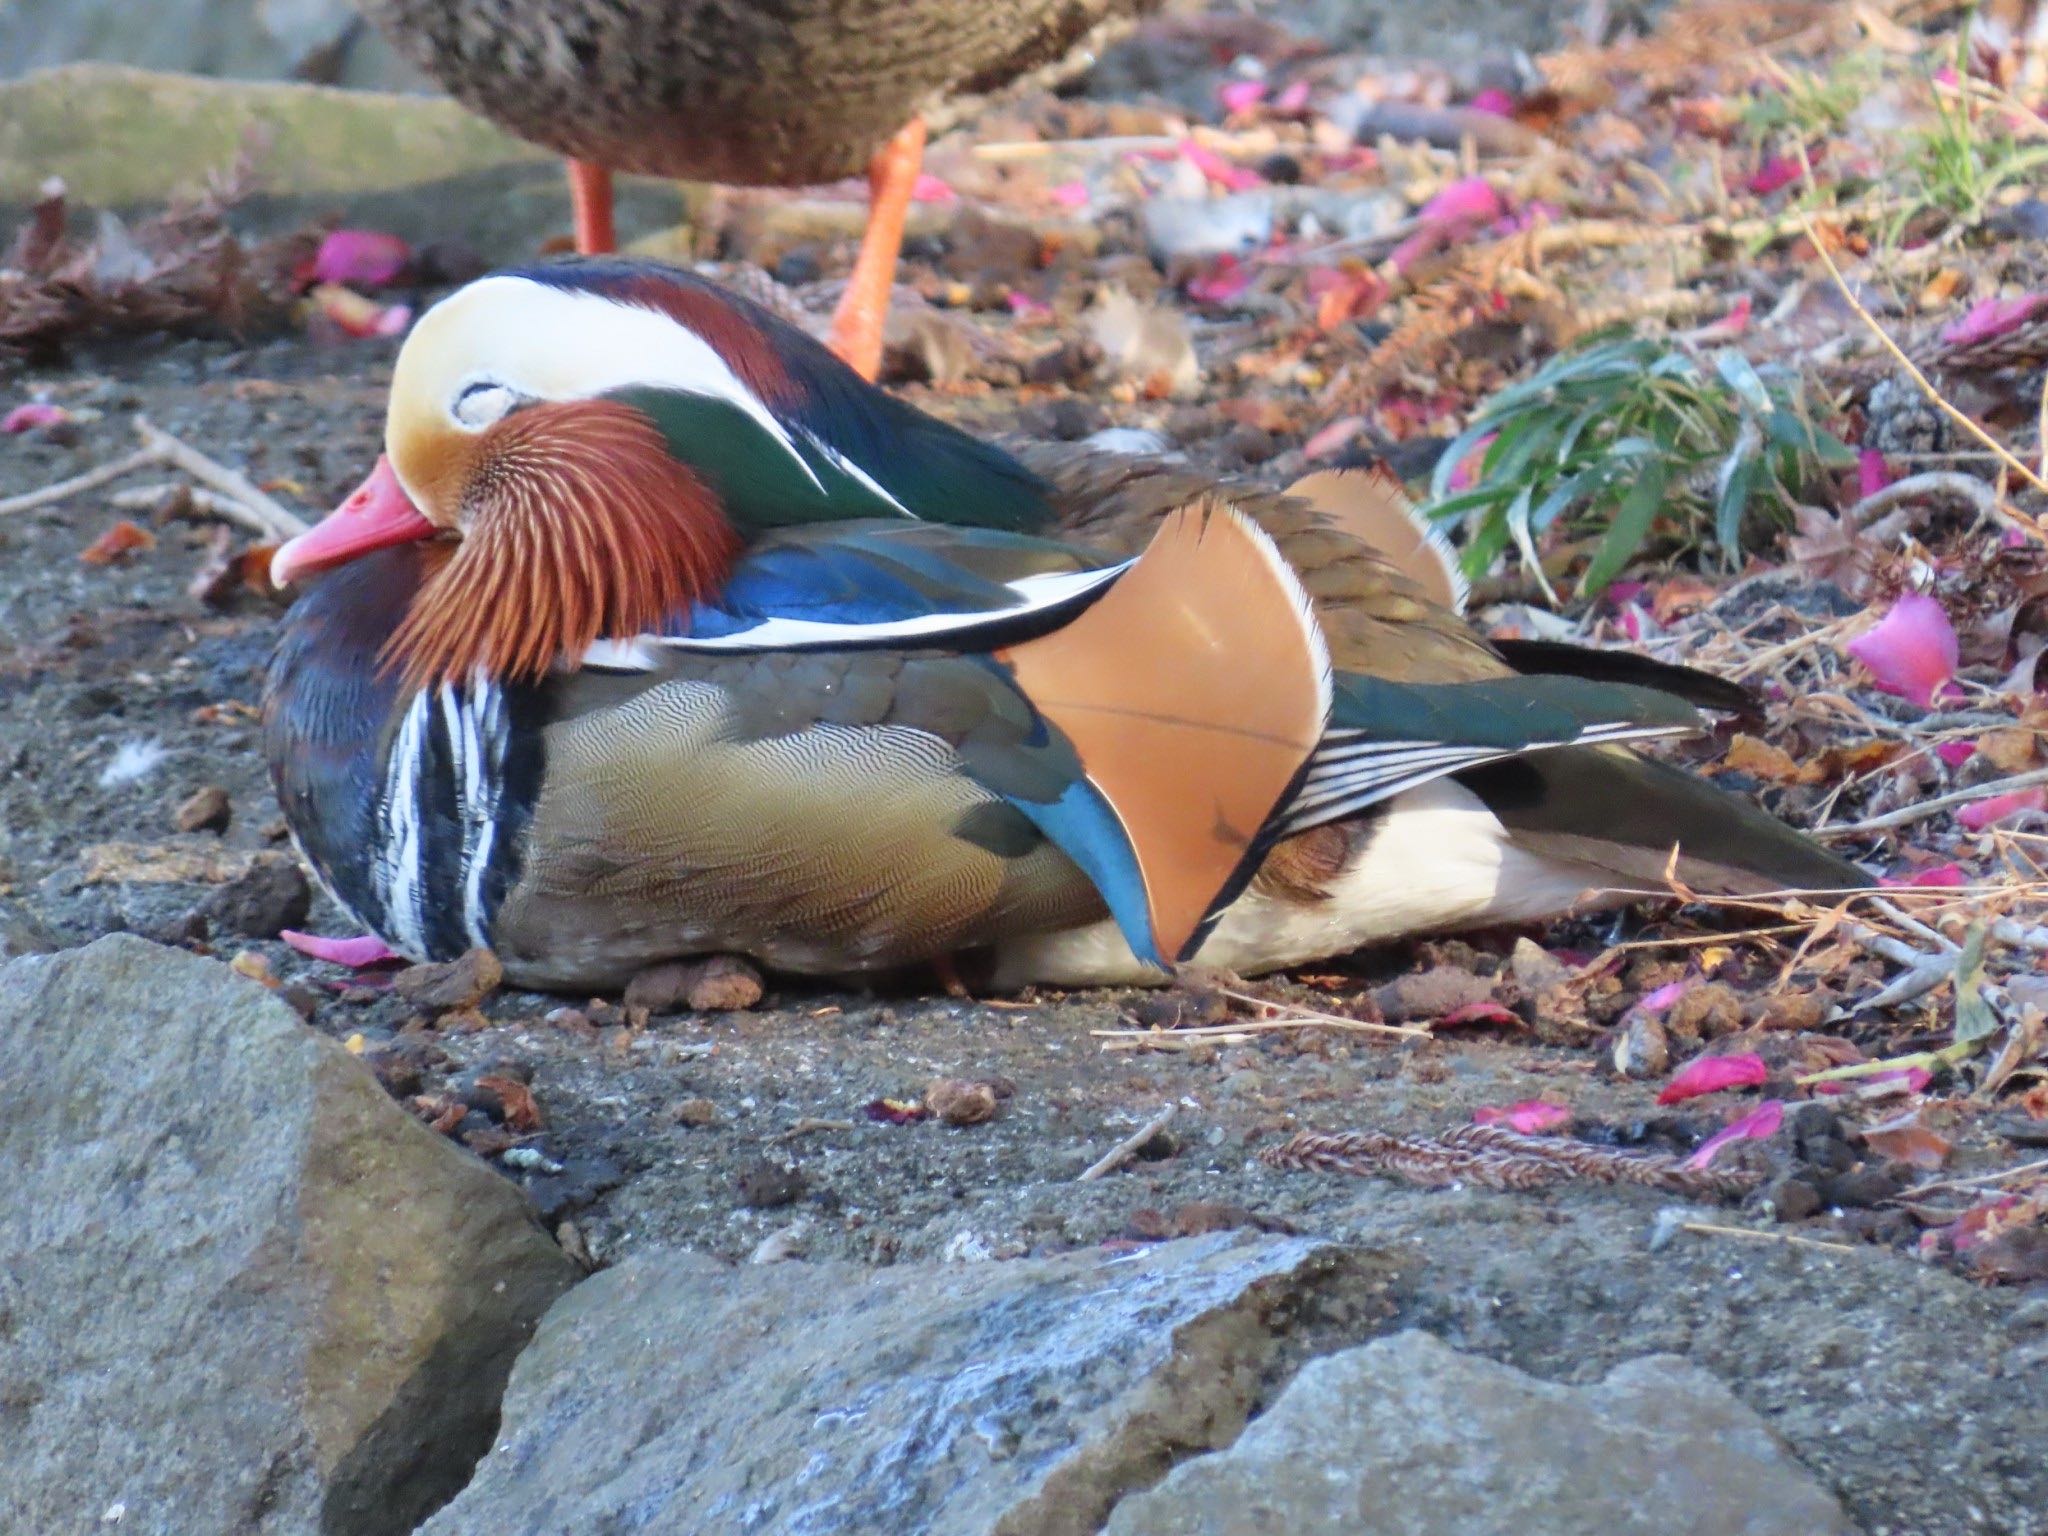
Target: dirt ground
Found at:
1916, 1394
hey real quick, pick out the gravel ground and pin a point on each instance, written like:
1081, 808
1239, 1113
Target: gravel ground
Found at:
1917, 1395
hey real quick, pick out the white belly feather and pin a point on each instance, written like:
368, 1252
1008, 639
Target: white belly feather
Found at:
1439, 860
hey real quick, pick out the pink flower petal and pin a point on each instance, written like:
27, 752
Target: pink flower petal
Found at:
1467, 203
1940, 877
1979, 814
1992, 318
1872, 474
1912, 651
37, 413
1223, 282
1729, 326
1070, 194
355, 953
1714, 1074
1956, 753
1293, 101
932, 189
1760, 1124
1241, 95
1465, 473
1532, 1117
1483, 1012
1334, 438
1232, 178
368, 257
1663, 997
1025, 307
1494, 100
353, 315
1778, 171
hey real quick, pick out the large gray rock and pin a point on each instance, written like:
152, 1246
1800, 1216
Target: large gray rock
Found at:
1407, 1437
243, 1292
676, 1394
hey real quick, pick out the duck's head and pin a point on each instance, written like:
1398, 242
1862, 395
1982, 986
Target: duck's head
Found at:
573, 440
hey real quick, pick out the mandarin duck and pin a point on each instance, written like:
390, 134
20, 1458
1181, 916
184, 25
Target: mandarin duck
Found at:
656, 632
752, 92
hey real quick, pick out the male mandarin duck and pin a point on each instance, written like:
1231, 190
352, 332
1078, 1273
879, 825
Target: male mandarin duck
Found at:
658, 632
753, 92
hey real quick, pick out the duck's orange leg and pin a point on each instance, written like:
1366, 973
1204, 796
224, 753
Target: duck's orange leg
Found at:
857, 325
590, 202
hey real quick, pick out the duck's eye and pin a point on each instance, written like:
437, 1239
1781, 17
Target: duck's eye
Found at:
481, 403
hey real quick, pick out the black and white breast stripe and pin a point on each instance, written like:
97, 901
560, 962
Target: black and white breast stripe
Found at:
445, 820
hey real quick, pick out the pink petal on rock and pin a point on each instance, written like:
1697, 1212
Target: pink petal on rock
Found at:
1232, 178
368, 257
1979, 814
1070, 194
1912, 651
1241, 95
1760, 1124
1532, 1117
1992, 318
1956, 753
932, 189
37, 413
354, 953
1494, 100
1714, 1074
1872, 474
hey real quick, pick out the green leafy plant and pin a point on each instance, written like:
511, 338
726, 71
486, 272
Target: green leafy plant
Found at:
1958, 163
1629, 442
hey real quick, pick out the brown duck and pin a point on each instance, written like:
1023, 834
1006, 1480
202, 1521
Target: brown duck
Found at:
658, 632
753, 92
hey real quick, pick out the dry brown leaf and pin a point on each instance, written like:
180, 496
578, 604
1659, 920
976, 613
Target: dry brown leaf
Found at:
1758, 758
118, 542
1908, 1139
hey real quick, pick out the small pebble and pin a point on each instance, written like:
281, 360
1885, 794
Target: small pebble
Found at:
450, 984
763, 1186
206, 809
694, 1112
1641, 1049
957, 1101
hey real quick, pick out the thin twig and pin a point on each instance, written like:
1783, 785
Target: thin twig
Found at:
78, 485
1297, 1012
143, 498
1758, 1235
1978, 1182
1126, 1149
1935, 482
1920, 810
280, 522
